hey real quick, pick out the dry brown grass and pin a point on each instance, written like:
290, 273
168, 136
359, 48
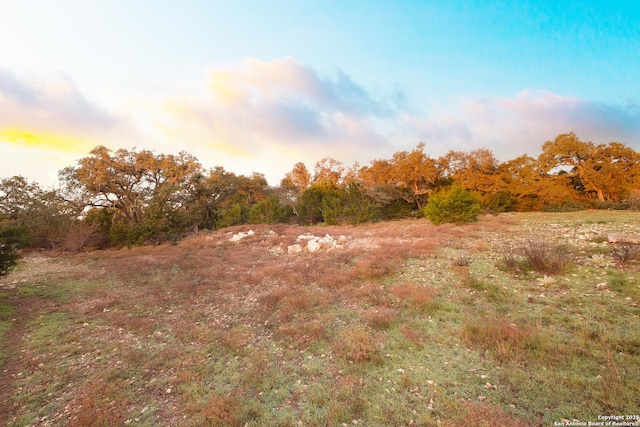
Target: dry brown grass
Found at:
484, 415
358, 344
217, 410
302, 333
505, 340
225, 325
414, 294
380, 317
100, 404
412, 335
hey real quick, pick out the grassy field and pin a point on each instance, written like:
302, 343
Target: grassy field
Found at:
517, 320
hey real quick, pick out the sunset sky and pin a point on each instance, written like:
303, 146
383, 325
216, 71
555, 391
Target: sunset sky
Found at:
261, 85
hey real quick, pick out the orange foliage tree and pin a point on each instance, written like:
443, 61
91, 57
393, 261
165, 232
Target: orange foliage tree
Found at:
608, 171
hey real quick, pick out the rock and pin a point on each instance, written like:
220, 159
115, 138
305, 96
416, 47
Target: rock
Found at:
313, 246
623, 238
241, 235
294, 249
276, 250
327, 242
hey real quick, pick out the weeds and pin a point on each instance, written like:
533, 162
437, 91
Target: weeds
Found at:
418, 296
625, 252
462, 261
505, 340
536, 254
358, 344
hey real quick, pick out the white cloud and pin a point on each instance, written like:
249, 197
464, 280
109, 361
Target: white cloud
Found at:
47, 124
266, 116
54, 105
270, 115
520, 125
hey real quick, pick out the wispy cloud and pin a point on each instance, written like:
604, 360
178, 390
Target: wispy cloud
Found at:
281, 111
266, 116
51, 106
46, 124
521, 124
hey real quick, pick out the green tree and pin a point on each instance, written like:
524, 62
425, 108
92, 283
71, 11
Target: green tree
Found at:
45, 215
309, 205
12, 237
144, 192
268, 211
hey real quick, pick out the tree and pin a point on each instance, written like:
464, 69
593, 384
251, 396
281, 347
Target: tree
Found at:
476, 171
11, 238
309, 205
143, 191
377, 182
455, 205
414, 174
410, 176
45, 215
607, 171
298, 179
268, 211
528, 181
328, 170
128, 181
614, 168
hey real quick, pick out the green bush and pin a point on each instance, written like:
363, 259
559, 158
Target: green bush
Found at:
454, 205
11, 237
309, 205
397, 209
348, 205
234, 215
498, 203
567, 206
268, 211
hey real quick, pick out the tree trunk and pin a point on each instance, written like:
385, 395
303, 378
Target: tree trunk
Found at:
600, 195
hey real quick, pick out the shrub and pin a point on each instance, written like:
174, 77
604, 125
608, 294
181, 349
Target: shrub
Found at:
357, 344
309, 205
463, 260
11, 237
538, 255
8, 258
235, 215
566, 206
455, 205
397, 209
348, 204
499, 202
268, 211
544, 257
634, 200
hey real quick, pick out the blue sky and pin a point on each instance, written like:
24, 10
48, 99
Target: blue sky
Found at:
259, 86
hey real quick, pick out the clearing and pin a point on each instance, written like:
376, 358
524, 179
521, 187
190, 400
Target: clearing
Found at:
525, 319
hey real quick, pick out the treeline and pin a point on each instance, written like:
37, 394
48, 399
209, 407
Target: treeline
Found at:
135, 197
